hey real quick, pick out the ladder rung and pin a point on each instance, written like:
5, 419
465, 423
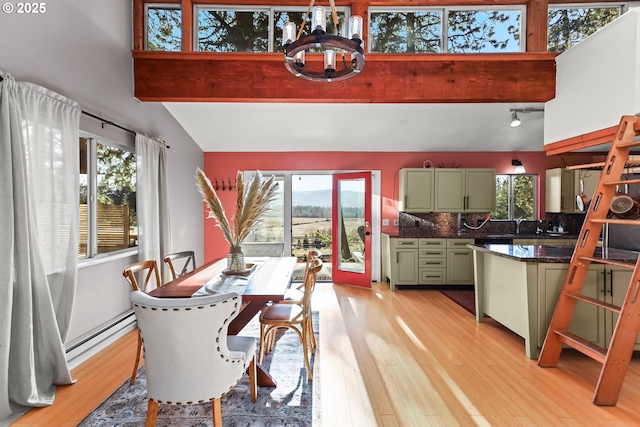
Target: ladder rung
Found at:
585, 347
608, 262
629, 181
628, 144
616, 221
593, 301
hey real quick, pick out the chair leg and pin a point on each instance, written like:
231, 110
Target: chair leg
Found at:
152, 413
253, 380
135, 366
312, 336
263, 338
217, 413
305, 346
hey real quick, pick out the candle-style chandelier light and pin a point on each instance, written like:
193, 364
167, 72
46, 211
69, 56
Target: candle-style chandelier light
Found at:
331, 46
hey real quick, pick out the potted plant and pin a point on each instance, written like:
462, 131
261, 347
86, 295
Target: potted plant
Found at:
253, 200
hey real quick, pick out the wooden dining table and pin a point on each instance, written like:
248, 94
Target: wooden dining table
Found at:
268, 281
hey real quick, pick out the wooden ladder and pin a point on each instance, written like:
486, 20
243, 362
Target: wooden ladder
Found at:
615, 360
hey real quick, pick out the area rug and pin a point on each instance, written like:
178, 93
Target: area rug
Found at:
464, 298
294, 402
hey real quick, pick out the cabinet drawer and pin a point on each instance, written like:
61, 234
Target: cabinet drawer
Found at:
433, 243
432, 253
458, 243
404, 243
432, 262
433, 276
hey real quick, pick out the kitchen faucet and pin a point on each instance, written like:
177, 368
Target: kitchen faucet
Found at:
518, 222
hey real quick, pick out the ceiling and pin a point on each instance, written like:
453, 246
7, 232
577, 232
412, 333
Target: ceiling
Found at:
256, 127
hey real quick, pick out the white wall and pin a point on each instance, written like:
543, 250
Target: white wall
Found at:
598, 81
82, 50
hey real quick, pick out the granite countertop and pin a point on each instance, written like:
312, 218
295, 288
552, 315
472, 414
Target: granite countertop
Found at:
552, 254
467, 235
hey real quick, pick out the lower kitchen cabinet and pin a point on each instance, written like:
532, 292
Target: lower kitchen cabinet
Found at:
426, 261
459, 262
590, 322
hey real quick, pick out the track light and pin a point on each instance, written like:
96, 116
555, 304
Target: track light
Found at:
515, 120
519, 167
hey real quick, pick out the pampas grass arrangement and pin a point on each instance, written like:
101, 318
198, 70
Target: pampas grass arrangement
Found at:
252, 203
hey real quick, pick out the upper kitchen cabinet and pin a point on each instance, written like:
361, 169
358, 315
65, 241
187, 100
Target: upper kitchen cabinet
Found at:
565, 186
465, 190
416, 190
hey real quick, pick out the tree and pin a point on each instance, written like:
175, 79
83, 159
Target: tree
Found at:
233, 31
164, 29
421, 31
570, 26
116, 170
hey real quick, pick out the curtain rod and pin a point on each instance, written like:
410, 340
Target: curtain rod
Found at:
110, 123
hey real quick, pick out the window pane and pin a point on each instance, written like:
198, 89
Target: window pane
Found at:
502, 198
84, 214
484, 31
164, 28
405, 32
116, 199
272, 228
568, 27
282, 17
233, 31
523, 197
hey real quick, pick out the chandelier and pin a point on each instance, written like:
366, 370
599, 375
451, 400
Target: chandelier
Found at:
331, 45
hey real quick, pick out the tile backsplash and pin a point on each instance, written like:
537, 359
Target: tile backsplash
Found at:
442, 224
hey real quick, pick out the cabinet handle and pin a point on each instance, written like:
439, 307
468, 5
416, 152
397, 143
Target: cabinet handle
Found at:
611, 282
433, 276
432, 262
406, 243
461, 253
397, 258
432, 253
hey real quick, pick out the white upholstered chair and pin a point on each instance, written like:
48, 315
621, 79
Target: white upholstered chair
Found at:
262, 249
189, 359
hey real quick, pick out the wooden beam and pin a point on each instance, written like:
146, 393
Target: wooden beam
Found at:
537, 18
579, 142
386, 78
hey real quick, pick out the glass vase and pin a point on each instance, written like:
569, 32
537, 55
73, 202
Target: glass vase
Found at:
235, 260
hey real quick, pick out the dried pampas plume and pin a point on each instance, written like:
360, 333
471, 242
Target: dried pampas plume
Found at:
252, 203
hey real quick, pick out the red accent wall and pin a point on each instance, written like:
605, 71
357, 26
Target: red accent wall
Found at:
224, 166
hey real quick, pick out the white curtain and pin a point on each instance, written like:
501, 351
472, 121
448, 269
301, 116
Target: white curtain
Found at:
39, 173
154, 224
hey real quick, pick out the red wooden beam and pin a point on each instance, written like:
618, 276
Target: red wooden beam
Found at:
386, 78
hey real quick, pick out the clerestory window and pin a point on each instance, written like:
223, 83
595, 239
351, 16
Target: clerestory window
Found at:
439, 30
568, 25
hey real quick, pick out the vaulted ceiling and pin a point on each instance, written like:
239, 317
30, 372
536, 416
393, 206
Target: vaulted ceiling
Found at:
428, 102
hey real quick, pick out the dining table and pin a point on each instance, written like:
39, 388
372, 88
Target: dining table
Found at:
266, 280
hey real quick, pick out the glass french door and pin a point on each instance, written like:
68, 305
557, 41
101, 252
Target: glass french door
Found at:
351, 229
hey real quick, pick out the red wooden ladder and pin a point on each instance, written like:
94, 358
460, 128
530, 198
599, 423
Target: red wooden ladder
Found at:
615, 360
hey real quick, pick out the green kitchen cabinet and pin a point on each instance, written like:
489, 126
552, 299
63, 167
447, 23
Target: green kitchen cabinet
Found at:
465, 190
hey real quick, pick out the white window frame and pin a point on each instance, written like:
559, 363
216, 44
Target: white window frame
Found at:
511, 176
147, 6
92, 201
445, 14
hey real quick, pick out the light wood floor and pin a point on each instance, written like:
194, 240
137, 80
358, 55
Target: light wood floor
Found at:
407, 358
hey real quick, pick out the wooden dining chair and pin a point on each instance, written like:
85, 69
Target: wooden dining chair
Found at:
292, 316
295, 295
148, 274
185, 258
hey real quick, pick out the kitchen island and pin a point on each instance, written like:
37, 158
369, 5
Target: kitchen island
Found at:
518, 286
